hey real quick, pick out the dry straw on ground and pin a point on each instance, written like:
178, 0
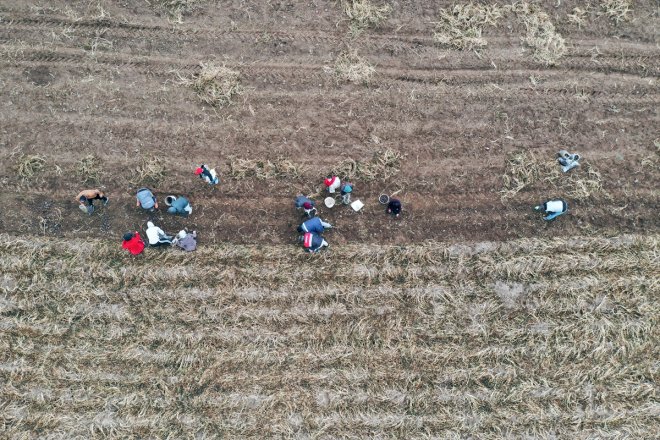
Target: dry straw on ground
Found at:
177, 8
280, 168
349, 66
617, 10
430, 340
30, 164
578, 16
89, 169
215, 85
150, 171
524, 171
461, 26
541, 34
363, 13
383, 165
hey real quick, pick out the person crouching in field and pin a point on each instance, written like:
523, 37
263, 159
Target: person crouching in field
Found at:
306, 204
394, 207
186, 241
207, 175
332, 183
146, 199
133, 243
86, 199
314, 225
312, 242
179, 206
157, 236
554, 208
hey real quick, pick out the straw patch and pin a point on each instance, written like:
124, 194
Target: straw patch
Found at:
177, 8
149, 171
617, 10
461, 26
88, 169
541, 35
280, 168
28, 165
363, 13
350, 67
383, 165
215, 85
524, 171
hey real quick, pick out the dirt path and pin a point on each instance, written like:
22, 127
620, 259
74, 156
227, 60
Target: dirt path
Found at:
74, 83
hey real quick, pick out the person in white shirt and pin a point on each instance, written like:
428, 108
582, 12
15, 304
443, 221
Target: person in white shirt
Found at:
554, 208
156, 236
567, 160
332, 183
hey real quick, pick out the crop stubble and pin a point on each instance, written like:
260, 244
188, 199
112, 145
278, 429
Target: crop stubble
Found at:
487, 339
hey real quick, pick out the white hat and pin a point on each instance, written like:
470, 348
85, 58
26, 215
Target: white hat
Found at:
182, 234
150, 225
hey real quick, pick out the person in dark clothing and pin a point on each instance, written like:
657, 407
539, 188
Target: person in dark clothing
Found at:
312, 242
394, 207
207, 174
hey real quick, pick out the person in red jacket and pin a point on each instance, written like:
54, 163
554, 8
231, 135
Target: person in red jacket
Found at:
133, 243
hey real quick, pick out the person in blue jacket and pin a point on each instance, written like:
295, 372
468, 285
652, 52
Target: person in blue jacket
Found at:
146, 199
179, 205
313, 242
314, 225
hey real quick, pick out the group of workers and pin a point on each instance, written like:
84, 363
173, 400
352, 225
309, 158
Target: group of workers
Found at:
311, 228
145, 199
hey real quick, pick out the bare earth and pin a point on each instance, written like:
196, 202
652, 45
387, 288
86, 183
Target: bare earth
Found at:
75, 85
467, 317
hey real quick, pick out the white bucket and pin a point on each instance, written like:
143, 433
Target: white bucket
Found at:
329, 202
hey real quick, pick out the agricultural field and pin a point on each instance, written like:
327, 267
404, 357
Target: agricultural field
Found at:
467, 317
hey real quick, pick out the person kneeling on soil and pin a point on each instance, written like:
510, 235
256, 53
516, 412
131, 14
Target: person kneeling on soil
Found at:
394, 207
86, 199
346, 190
133, 243
157, 236
554, 208
332, 183
567, 160
207, 175
306, 204
314, 225
179, 206
313, 242
146, 199
186, 241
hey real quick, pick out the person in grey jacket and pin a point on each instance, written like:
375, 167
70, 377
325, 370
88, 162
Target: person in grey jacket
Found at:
186, 241
146, 199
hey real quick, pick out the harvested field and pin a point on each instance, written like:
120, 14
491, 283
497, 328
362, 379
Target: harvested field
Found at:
467, 317
538, 338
